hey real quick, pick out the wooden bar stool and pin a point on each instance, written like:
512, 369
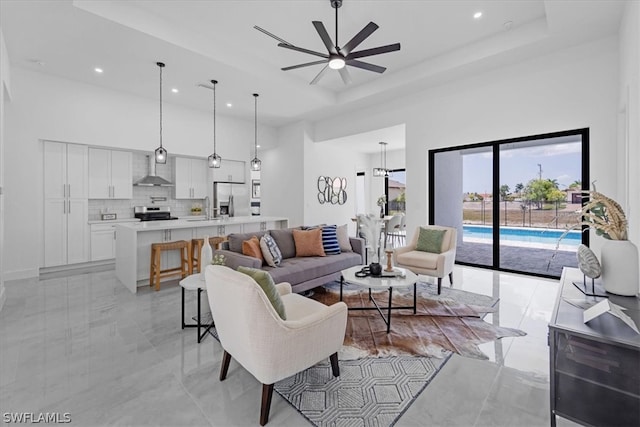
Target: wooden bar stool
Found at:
155, 270
196, 248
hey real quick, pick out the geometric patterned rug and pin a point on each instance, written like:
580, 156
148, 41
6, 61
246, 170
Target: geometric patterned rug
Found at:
369, 392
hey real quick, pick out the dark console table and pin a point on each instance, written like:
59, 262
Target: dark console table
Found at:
594, 367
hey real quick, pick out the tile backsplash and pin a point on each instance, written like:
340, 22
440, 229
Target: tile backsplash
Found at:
142, 195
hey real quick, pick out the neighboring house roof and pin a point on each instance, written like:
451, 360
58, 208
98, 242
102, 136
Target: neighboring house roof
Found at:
396, 184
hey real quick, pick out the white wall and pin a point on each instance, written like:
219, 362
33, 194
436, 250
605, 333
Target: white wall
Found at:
47, 107
5, 92
282, 175
572, 88
629, 117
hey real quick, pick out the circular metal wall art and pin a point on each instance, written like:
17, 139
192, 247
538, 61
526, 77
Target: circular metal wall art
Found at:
332, 190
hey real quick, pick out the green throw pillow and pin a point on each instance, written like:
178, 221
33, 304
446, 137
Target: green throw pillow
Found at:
267, 284
430, 240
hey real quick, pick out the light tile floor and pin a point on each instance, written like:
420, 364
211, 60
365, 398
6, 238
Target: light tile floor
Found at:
84, 345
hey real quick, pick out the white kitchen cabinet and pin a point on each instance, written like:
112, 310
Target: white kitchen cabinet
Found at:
230, 171
66, 206
103, 241
170, 259
191, 178
110, 174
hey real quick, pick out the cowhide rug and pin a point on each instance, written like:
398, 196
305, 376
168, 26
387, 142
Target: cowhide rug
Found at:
451, 321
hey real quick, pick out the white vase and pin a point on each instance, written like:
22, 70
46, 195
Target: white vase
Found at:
620, 273
206, 255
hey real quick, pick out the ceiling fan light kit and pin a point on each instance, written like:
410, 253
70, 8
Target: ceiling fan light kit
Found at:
338, 57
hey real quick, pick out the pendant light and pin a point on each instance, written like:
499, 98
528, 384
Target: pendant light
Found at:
160, 153
255, 163
214, 160
382, 170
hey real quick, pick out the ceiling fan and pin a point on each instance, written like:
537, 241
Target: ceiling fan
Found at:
338, 57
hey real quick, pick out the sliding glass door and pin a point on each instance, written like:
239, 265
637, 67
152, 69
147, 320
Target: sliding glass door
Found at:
511, 200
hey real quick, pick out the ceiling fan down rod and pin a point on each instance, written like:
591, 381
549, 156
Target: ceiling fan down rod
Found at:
336, 5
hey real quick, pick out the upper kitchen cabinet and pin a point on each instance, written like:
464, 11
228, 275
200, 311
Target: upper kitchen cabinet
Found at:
191, 178
110, 174
230, 171
66, 209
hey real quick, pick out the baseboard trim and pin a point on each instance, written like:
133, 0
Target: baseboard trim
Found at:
3, 295
20, 274
73, 269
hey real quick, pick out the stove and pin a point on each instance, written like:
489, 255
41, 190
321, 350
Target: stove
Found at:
153, 213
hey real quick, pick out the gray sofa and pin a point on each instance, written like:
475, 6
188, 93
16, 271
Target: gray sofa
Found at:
303, 273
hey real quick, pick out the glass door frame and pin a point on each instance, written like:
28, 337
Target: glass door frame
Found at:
386, 188
495, 146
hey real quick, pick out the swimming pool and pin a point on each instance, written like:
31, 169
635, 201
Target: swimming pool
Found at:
530, 235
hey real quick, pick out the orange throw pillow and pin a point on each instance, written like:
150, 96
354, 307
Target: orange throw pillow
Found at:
308, 242
251, 248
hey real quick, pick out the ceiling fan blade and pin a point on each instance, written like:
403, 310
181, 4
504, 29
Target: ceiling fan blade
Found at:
303, 50
322, 32
346, 77
317, 78
293, 67
262, 30
366, 66
374, 51
359, 38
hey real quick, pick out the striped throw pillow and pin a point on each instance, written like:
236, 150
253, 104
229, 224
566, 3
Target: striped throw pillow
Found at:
330, 240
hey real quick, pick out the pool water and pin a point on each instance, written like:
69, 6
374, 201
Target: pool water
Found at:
530, 235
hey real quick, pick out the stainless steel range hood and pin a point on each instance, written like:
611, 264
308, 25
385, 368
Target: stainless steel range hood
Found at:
152, 180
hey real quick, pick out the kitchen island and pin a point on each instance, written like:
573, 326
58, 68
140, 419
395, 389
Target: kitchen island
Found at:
134, 239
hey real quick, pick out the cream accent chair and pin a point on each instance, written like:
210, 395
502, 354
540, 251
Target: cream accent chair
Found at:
429, 264
270, 348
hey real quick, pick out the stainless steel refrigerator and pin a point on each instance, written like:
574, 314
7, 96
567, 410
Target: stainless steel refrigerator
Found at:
231, 199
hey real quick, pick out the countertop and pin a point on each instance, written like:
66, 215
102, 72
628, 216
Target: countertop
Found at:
196, 222
113, 221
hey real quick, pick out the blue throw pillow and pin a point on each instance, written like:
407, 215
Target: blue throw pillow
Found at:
330, 240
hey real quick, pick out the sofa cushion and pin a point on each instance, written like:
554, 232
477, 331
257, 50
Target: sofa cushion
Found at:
284, 240
236, 239
430, 240
308, 242
252, 248
330, 240
419, 259
270, 251
298, 270
265, 281
343, 238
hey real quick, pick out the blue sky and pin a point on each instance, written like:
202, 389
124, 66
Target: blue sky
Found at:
559, 161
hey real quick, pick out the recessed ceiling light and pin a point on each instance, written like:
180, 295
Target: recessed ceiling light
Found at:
258, 145
98, 70
229, 104
477, 15
174, 90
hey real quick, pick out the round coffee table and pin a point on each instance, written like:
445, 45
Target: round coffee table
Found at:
381, 283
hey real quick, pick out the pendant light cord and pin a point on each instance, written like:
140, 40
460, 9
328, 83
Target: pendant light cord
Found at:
214, 115
160, 102
256, 125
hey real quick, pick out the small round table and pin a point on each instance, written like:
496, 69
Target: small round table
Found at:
192, 283
406, 278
